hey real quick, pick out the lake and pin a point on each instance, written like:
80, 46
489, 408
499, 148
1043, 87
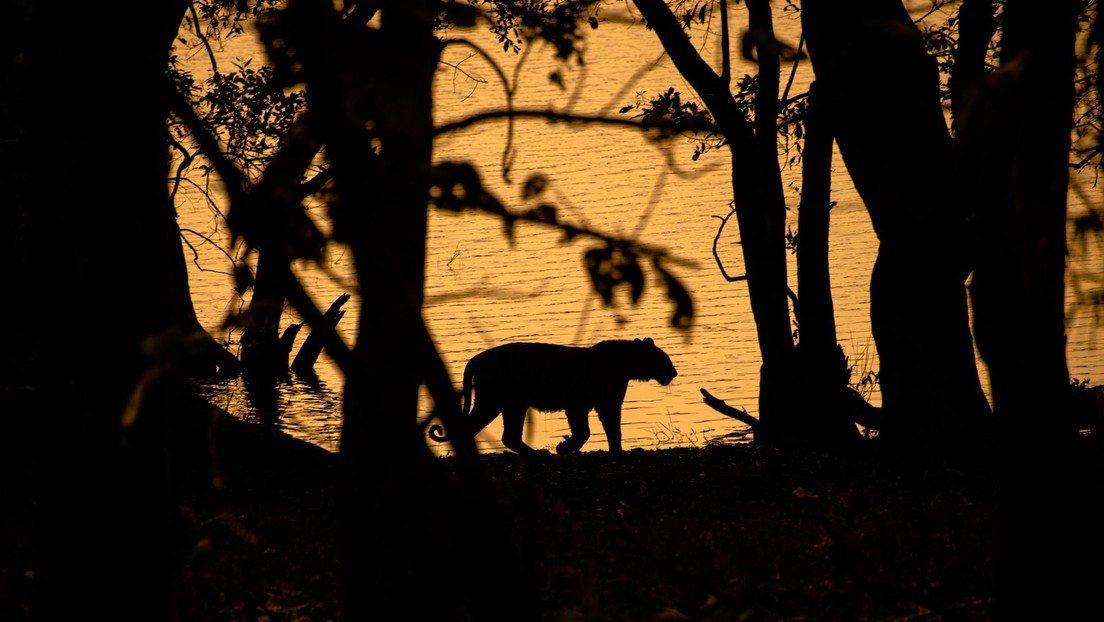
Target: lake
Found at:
482, 290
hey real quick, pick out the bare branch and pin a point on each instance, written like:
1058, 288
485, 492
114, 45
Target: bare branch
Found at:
720, 406
509, 87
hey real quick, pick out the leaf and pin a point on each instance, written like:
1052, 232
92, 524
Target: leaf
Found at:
462, 15
534, 186
593, 21
544, 212
634, 276
683, 315
599, 266
243, 278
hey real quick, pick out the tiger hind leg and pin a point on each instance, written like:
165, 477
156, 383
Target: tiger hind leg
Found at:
513, 423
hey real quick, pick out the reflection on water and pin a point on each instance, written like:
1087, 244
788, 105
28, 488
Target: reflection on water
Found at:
482, 290
307, 408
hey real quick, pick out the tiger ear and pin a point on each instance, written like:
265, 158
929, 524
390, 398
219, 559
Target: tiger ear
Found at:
648, 341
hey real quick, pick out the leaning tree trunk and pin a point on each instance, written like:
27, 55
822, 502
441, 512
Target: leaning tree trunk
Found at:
882, 94
97, 159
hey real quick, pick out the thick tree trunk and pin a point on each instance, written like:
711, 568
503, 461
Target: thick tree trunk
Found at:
881, 91
101, 251
1013, 160
398, 513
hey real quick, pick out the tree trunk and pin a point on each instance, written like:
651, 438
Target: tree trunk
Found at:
1013, 161
371, 91
106, 311
830, 408
876, 77
760, 212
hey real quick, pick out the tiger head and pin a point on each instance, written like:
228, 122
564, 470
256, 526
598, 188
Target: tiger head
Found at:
653, 362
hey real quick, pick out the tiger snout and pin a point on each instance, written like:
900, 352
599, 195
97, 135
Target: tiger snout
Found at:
666, 378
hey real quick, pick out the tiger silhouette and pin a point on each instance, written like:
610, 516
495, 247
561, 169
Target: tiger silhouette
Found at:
509, 379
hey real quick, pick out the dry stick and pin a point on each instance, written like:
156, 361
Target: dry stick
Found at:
720, 406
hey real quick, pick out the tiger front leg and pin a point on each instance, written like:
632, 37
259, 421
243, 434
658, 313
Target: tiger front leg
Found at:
611, 424
580, 431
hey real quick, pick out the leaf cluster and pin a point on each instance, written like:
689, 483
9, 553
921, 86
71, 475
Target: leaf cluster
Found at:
668, 111
217, 20
249, 111
557, 22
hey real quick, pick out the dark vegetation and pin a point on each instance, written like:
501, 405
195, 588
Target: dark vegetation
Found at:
719, 532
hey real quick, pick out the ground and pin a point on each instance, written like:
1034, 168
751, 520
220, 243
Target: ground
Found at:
719, 532
722, 532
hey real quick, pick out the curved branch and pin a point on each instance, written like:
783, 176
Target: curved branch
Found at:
456, 67
720, 264
509, 88
186, 160
209, 241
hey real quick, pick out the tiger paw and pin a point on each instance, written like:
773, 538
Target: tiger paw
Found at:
566, 446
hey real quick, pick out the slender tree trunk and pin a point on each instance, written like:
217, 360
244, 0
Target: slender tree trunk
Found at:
829, 404
816, 319
760, 209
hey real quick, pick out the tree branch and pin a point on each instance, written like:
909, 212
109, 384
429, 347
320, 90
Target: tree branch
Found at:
729, 411
558, 117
